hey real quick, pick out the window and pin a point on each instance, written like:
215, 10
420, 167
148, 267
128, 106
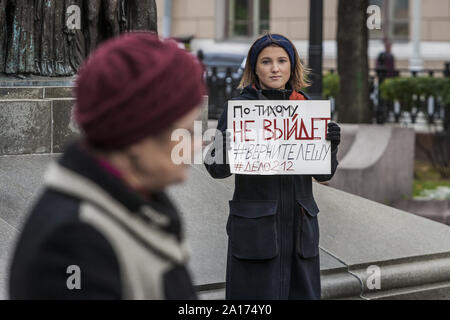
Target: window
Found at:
399, 19
247, 18
394, 19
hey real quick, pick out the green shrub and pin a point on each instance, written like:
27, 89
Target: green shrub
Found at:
408, 90
424, 86
401, 89
387, 89
330, 86
443, 88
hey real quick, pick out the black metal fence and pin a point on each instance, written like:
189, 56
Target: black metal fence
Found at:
223, 82
222, 85
385, 111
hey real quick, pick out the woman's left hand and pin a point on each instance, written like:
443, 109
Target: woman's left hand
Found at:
334, 135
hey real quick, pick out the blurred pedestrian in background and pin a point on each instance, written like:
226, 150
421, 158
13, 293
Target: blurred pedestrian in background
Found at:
201, 58
103, 227
385, 66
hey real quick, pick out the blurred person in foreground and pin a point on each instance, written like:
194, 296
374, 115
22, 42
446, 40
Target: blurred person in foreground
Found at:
103, 227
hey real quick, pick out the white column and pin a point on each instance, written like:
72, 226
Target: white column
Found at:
256, 8
167, 20
220, 19
416, 62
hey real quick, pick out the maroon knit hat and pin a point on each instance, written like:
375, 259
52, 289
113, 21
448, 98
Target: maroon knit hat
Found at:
134, 86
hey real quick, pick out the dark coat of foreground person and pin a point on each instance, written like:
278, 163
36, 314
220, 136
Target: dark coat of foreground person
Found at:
273, 248
103, 228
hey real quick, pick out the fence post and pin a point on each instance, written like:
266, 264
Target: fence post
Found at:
397, 111
228, 83
213, 93
431, 109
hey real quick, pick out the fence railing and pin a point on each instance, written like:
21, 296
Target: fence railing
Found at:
429, 109
222, 83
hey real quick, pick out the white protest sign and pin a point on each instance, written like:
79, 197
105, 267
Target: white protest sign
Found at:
279, 137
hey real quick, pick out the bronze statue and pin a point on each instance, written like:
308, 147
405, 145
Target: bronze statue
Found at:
35, 37
76, 39
19, 48
3, 33
51, 39
141, 15
111, 15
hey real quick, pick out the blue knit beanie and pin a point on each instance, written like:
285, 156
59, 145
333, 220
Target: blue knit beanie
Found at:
268, 40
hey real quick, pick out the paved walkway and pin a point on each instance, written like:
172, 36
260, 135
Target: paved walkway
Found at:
205, 220
412, 252
20, 178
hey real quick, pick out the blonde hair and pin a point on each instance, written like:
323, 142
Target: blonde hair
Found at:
299, 75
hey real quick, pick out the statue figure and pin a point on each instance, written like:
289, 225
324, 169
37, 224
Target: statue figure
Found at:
52, 47
141, 15
19, 50
3, 33
76, 39
111, 15
35, 37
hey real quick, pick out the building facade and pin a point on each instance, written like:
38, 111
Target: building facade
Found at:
231, 26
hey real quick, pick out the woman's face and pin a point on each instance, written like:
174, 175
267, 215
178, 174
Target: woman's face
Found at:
273, 68
148, 165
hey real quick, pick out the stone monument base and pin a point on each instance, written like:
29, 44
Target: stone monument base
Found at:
36, 115
35, 119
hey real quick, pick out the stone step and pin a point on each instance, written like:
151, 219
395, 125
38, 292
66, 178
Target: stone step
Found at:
36, 81
35, 126
412, 253
437, 210
379, 163
13, 93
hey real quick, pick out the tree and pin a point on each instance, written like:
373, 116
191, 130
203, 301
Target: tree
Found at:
353, 66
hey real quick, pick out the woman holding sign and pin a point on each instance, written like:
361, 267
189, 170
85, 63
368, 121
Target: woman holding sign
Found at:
273, 250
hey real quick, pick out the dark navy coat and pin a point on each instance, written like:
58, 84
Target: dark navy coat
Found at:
273, 247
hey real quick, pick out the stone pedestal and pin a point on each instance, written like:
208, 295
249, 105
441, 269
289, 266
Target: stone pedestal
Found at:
35, 120
379, 163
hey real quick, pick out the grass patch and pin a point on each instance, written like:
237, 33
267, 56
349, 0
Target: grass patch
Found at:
420, 185
426, 178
